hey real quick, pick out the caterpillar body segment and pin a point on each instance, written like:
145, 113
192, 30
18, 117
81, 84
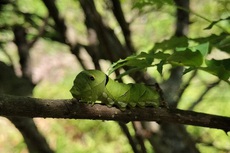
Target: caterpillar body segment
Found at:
93, 85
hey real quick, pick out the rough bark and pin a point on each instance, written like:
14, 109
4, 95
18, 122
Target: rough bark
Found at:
104, 43
70, 108
59, 21
11, 84
119, 15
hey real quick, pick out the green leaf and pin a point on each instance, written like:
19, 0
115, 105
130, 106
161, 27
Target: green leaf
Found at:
221, 41
225, 63
159, 3
203, 48
160, 66
192, 58
224, 44
219, 68
186, 58
120, 63
171, 44
160, 55
140, 61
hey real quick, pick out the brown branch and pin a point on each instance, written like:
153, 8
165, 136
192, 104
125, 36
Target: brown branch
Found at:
23, 49
119, 15
35, 141
59, 21
129, 137
33, 107
101, 36
182, 17
139, 135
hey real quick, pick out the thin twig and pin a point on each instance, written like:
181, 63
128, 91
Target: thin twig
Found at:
41, 31
119, 15
139, 135
129, 137
185, 86
203, 94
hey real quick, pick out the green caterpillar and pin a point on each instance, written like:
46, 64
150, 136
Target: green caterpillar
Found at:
93, 85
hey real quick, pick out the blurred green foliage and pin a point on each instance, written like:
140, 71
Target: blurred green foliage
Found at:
150, 23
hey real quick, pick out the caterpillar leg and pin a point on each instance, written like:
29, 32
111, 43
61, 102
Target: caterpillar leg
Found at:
122, 106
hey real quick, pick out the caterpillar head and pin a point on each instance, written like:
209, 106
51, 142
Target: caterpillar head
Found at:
89, 85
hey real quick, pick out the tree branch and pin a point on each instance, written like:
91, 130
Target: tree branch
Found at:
70, 108
129, 137
209, 87
33, 138
59, 21
119, 15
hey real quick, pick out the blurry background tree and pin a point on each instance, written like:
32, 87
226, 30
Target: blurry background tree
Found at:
44, 44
